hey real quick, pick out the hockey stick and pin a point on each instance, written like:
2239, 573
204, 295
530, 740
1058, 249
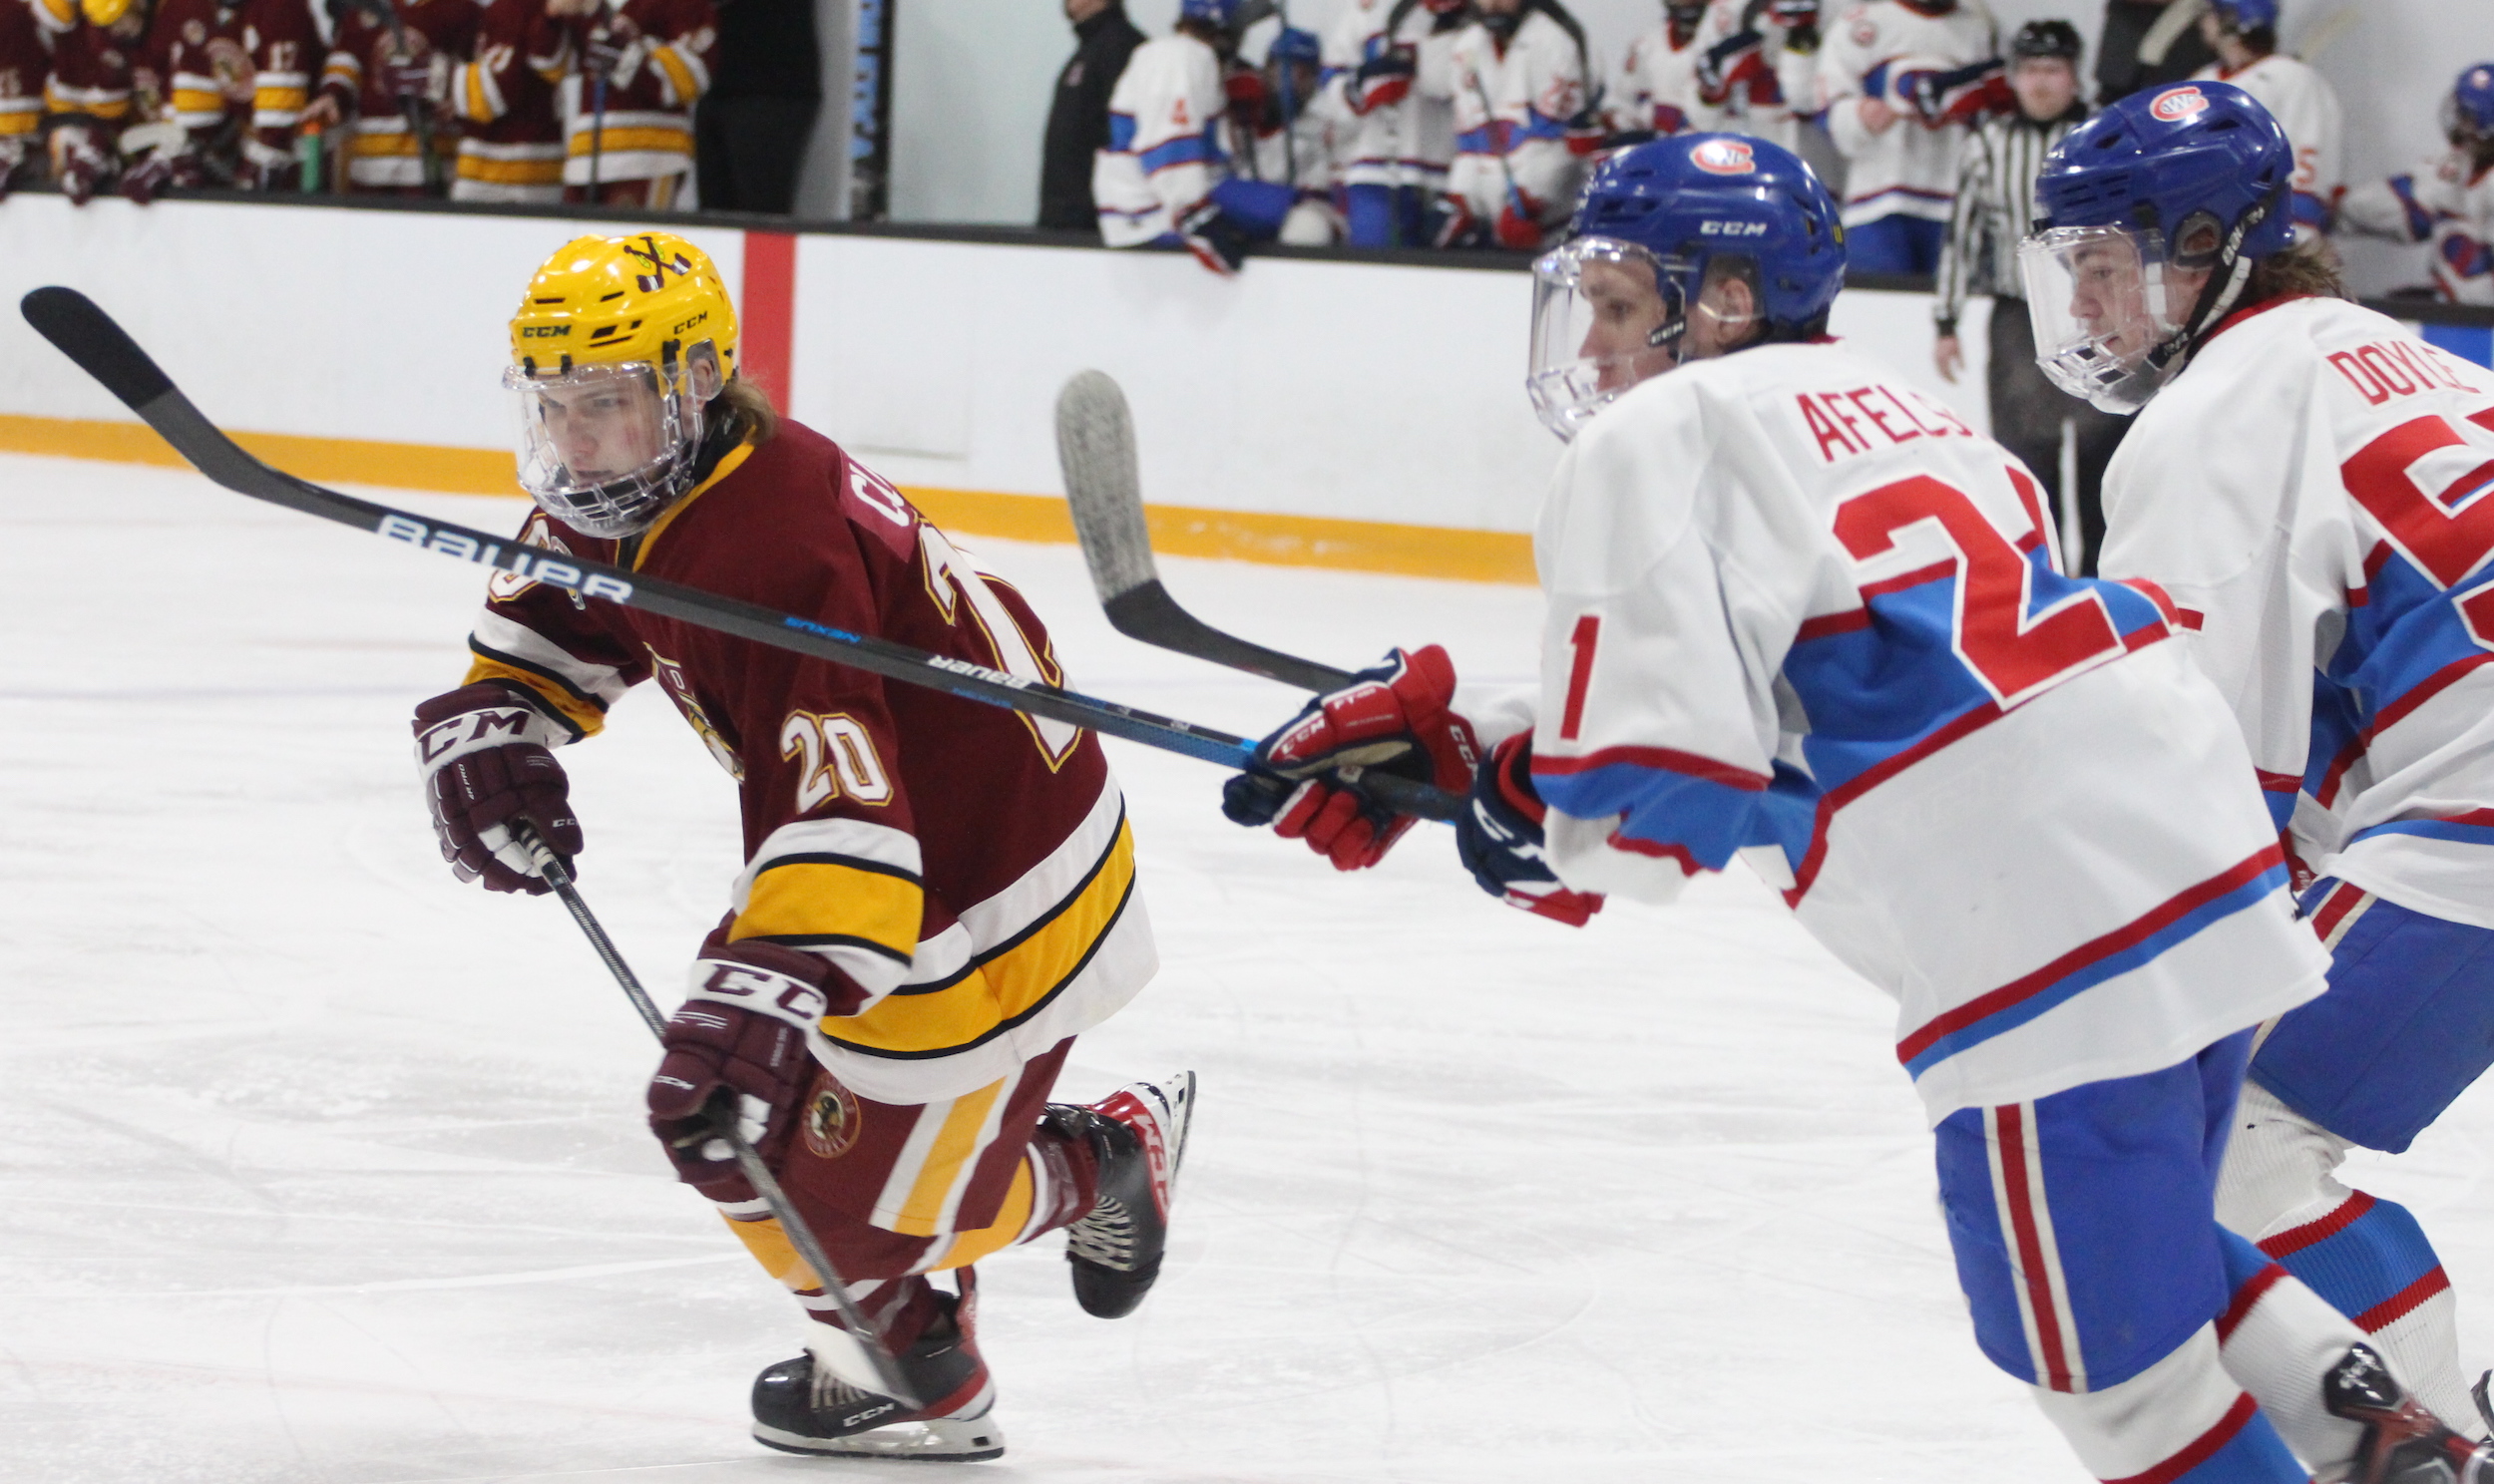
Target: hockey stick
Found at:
102, 348
723, 1115
1095, 449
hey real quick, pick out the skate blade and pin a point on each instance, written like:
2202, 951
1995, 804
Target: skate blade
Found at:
935, 1440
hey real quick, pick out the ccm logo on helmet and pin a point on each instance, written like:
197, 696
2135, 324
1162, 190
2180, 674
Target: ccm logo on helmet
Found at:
2179, 105
543, 332
1724, 158
1732, 228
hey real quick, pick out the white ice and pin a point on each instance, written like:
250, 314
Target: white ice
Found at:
318, 1166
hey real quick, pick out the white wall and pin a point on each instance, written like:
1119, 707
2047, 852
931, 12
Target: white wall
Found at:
1350, 390
973, 83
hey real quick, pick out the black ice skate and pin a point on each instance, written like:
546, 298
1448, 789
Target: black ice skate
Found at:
1138, 1134
799, 1407
2403, 1443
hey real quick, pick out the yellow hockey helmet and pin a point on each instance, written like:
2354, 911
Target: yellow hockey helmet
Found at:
104, 14
600, 300
616, 350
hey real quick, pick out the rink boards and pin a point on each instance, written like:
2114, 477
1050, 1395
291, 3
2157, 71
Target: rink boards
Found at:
1313, 412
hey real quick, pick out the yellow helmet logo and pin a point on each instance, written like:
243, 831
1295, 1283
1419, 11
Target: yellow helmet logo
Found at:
646, 297
102, 14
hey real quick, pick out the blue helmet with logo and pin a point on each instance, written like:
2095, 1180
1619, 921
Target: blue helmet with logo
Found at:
2247, 15
1667, 211
2172, 193
1213, 12
2469, 113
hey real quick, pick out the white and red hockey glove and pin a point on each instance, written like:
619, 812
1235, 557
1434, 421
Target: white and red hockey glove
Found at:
1965, 94
1500, 839
489, 765
1518, 227
1384, 80
740, 1034
1396, 717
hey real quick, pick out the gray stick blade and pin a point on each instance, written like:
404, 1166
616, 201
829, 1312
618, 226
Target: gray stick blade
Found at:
1095, 449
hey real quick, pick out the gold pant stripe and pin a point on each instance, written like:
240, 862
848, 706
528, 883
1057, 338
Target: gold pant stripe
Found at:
957, 1147
769, 1243
624, 140
973, 1247
580, 713
1008, 988
817, 896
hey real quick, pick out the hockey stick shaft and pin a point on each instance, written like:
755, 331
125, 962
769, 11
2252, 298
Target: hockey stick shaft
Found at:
104, 351
800, 1236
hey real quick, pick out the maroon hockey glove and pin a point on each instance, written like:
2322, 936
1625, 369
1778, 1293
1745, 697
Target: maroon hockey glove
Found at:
488, 765
741, 1031
1500, 839
1395, 717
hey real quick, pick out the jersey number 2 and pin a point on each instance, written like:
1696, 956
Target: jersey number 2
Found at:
2014, 656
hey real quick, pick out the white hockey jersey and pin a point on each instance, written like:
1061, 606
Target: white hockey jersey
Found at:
1909, 169
1409, 142
1659, 86
1800, 613
2313, 490
1512, 110
2306, 107
1163, 154
2447, 204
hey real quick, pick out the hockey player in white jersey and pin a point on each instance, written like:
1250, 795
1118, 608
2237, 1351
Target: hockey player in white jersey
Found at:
1389, 73
2446, 202
1278, 132
1710, 67
1526, 84
2243, 34
1163, 179
1898, 81
1801, 613
2309, 484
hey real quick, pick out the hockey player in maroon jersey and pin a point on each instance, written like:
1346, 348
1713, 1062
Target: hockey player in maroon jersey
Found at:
388, 91
95, 46
937, 895
643, 66
510, 127
233, 77
24, 61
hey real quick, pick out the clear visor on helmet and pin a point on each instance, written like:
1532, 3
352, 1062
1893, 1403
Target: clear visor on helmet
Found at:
605, 448
1605, 316
2108, 317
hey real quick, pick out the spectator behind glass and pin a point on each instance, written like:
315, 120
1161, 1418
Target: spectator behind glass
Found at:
751, 128
2147, 41
2447, 200
1078, 122
1993, 212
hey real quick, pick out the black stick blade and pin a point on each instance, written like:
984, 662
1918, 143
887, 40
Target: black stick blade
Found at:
88, 335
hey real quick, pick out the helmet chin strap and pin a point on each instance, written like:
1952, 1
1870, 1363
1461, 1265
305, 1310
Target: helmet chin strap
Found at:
2217, 296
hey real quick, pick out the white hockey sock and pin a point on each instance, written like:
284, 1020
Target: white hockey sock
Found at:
2171, 1421
2280, 1189
2279, 1339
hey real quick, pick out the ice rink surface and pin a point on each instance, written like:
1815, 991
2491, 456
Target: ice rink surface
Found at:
322, 1167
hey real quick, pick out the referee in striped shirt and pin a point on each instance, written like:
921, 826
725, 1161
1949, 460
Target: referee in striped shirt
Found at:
1995, 209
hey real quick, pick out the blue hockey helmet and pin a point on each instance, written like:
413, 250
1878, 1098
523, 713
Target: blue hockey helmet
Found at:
2189, 180
1213, 12
1295, 45
2468, 113
2247, 15
1611, 304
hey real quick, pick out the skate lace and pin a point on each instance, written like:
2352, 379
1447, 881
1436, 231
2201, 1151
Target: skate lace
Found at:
831, 1391
1106, 1237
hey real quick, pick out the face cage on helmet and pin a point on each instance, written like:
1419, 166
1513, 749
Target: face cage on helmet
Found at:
1567, 386
657, 413
2121, 275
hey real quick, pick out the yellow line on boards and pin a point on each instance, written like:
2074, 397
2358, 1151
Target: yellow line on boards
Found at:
1176, 530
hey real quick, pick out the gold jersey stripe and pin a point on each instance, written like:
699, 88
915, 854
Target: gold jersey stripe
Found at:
1006, 988
580, 713
509, 172
677, 74
625, 140
820, 897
